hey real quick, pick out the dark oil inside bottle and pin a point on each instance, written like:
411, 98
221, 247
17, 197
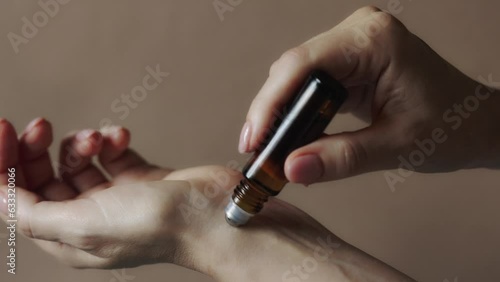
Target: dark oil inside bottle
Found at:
308, 116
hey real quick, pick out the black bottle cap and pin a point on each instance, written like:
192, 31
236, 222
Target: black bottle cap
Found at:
329, 85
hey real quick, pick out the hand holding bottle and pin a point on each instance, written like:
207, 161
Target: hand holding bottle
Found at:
409, 94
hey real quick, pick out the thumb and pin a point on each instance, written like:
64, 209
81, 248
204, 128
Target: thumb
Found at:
47, 220
342, 155
16, 204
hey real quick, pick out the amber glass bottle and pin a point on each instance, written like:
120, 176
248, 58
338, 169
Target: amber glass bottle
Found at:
307, 117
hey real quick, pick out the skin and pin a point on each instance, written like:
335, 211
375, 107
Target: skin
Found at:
144, 214
396, 83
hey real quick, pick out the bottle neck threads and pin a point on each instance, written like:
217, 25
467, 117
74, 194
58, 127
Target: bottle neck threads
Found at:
247, 200
249, 197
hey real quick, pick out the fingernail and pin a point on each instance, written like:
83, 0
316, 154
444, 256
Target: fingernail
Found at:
88, 140
306, 169
3, 203
34, 123
84, 134
244, 144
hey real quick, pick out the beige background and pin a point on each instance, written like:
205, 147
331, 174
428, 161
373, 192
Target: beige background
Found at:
434, 227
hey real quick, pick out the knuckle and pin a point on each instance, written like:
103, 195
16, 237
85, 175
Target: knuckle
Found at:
295, 56
26, 230
380, 27
351, 157
393, 25
25, 225
85, 241
392, 28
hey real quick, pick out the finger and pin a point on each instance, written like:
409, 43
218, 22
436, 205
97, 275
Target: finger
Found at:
343, 155
59, 228
65, 222
25, 199
286, 75
115, 156
76, 166
329, 52
57, 190
37, 165
34, 157
116, 140
9, 154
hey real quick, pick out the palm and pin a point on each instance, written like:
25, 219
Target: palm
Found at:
84, 196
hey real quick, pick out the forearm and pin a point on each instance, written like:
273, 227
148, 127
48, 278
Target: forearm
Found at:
275, 247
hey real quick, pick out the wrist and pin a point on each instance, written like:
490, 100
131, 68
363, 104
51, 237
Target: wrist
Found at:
269, 248
282, 244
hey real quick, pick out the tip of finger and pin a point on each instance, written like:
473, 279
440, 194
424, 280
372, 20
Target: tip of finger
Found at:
89, 142
123, 136
117, 136
5, 123
7, 133
38, 130
36, 122
88, 134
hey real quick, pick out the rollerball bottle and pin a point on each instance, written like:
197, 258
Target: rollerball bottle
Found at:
308, 115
